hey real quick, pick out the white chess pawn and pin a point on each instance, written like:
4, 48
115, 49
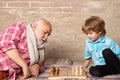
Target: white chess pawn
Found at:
76, 71
80, 70
73, 71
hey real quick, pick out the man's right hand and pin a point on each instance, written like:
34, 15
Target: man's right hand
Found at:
17, 58
26, 73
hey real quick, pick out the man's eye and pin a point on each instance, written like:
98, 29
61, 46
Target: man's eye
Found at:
45, 32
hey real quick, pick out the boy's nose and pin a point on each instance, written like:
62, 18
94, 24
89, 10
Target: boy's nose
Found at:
88, 35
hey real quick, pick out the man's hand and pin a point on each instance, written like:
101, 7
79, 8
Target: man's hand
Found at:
17, 58
26, 72
34, 69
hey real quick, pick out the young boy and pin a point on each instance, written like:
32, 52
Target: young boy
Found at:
102, 50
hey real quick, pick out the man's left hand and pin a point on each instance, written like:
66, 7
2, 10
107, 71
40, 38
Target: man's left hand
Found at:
34, 69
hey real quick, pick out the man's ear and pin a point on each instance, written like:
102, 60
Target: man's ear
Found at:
34, 26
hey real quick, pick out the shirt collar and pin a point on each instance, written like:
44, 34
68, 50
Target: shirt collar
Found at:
101, 39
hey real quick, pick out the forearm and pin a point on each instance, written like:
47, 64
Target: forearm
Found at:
16, 57
87, 62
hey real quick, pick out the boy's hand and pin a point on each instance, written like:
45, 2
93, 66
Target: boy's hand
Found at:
84, 71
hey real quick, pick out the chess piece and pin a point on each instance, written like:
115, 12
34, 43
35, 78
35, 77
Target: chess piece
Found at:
57, 71
53, 70
73, 71
76, 71
80, 70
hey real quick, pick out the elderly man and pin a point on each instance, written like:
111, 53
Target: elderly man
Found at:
22, 49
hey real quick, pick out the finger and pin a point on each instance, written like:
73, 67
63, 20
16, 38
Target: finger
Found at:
35, 73
21, 78
26, 76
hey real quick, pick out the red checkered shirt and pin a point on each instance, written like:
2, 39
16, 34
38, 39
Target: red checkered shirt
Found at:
14, 36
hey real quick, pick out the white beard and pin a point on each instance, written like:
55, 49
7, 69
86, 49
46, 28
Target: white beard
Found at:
40, 43
41, 49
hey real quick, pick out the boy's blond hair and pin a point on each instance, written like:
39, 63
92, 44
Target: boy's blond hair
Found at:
94, 23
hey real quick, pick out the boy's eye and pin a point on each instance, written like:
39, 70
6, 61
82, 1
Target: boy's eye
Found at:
90, 33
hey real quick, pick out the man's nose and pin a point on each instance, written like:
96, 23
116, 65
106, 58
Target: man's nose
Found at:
45, 37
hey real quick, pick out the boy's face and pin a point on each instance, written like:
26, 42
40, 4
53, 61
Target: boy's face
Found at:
93, 35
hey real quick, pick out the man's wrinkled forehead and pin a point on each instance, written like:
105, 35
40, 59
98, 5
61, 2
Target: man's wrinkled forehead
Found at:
45, 26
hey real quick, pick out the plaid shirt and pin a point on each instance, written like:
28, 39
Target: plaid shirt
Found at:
14, 36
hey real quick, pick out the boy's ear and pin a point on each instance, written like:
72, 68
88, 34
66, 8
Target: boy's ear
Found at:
100, 33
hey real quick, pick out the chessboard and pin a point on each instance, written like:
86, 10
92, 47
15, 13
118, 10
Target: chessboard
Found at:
66, 72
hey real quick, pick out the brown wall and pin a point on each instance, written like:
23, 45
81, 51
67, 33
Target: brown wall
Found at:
67, 17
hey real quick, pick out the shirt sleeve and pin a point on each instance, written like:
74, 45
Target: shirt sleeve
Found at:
115, 48
87, 53
10, 36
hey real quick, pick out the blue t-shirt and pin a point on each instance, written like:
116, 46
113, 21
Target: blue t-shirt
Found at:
94, 49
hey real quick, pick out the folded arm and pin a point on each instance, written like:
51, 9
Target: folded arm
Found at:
16, 57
